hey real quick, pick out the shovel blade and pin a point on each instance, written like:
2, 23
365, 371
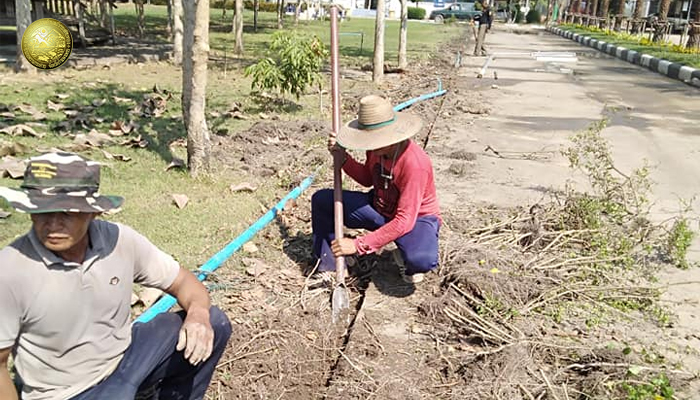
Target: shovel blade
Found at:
341, 303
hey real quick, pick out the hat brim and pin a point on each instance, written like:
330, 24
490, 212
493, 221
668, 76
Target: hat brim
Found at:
30, 203
353, 138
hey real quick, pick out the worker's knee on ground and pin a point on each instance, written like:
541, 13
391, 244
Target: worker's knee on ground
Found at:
322, 199
220, 324
420, 261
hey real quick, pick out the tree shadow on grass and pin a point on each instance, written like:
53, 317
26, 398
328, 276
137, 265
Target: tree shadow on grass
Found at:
99, 106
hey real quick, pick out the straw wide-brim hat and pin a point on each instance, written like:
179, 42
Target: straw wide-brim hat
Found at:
60, 182
377, 125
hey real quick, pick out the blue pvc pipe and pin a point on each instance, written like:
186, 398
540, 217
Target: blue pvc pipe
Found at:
168, 301
165, 303
428, 96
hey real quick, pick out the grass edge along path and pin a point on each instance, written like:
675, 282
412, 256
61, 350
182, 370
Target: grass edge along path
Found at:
667, 51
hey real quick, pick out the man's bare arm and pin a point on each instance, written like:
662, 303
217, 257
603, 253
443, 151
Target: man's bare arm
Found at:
196, 334
7, 387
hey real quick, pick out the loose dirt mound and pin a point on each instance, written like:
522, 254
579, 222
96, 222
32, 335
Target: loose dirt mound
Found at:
285, 149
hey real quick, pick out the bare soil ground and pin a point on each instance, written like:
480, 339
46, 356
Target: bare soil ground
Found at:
519, 309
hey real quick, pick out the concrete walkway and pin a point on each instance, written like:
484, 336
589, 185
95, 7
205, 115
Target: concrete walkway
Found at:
537, 106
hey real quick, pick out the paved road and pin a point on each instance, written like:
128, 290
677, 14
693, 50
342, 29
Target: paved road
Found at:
537, 106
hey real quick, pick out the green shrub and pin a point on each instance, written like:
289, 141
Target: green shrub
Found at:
533, 17
295, 64
262, 6
416, 13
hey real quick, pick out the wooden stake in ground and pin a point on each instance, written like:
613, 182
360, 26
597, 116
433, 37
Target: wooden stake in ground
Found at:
402, 34
378, 72
23, 14
238, 26
178, 31
194, 85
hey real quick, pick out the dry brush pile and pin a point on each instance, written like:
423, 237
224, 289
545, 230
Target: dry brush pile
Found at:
527, 295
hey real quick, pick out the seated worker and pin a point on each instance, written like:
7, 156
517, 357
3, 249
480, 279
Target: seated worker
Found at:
65, 291
402, 206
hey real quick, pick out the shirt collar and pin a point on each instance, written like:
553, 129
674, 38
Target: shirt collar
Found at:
49, 258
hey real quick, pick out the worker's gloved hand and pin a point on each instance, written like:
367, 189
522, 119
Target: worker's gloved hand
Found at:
196, 337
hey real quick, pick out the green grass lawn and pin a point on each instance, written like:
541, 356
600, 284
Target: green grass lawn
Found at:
423, 37
664, 52
214, 215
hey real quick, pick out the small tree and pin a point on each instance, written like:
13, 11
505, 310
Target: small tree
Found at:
295, 65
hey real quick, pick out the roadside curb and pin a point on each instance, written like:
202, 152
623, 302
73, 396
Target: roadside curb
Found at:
681, 72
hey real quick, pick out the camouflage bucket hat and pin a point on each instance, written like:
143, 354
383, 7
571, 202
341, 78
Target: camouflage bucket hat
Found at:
60, 182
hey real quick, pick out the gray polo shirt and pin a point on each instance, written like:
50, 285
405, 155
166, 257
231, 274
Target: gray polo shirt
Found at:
69, 323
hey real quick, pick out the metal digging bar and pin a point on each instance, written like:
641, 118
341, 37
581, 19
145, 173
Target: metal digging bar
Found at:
340, 299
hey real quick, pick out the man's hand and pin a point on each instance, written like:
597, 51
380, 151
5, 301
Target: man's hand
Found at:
333, 145
196, 336
7, 387
343, 247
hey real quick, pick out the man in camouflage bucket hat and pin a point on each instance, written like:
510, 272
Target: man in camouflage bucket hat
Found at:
60, 182
65, 291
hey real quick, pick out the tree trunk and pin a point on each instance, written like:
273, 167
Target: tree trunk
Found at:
694, 36
81, 23
194, 85
23, 14
256, 9
169, 25
594, 9
403, 62
141, 17
238, 26
660, 25
378, 71
178, 30
280, 6
604, 10
104, 15
694, 29
619, 15
297, 10
637, 16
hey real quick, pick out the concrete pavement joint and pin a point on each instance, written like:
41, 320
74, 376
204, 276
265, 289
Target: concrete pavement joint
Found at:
681, 72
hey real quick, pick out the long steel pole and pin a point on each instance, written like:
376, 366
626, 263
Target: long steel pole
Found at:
338, 156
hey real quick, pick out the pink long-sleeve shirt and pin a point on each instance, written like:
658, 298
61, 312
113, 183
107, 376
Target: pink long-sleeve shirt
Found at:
409, 194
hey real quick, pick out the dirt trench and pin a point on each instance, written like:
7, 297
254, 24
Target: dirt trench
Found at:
482, 327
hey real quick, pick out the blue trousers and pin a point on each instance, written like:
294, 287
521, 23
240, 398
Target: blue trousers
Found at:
152, 360
418, 247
